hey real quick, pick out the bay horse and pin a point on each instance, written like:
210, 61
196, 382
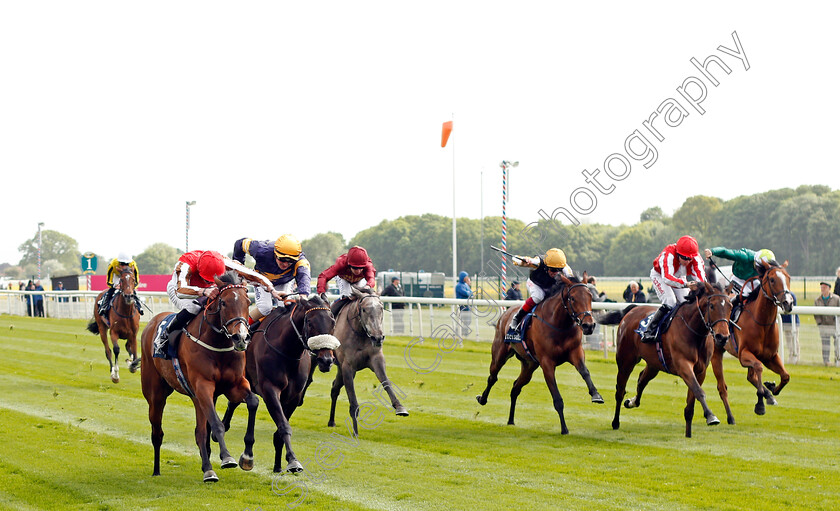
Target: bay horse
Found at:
211, 359
756, 340
554, 337
278, 363
684, 350
359, 327
123, 322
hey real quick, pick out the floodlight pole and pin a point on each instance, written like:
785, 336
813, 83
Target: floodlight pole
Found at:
187, 239
40, 244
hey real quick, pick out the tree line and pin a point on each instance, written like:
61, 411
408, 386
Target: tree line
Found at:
800, 225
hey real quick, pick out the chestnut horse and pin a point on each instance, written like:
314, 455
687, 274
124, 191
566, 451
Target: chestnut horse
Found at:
212, 362
685, 347
123, 322
554, 337
278, 363
756, 341
359, 327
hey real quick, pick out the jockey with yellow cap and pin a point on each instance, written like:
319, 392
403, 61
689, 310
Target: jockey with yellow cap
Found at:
122, 262
673, 270
282, 262
193, 285
540, 281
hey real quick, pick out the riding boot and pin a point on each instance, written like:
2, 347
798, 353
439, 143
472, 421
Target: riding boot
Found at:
106, 301
650, 333
338, 304
138, 304
737, 306
516, 324
179, 322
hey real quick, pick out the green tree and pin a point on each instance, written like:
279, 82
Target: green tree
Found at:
633, 250
322, 250
54, 245
698, 216
157, 259
654, 213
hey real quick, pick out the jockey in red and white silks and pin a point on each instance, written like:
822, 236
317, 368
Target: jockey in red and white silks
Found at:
676, 265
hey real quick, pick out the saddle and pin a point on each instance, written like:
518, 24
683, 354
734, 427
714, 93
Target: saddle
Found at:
171, 346
518, 336
663, 325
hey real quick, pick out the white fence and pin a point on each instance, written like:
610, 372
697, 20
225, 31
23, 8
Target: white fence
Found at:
440, 319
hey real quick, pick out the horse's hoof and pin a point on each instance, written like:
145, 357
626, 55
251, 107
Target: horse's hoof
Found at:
294, 467
770, 399
211, 477
629, 403
401, 411
596, 398
115, 379
712, 421
246, 462
229, 462
481, 400
759, 410
134, 365
730, 421
564, 431
331, 424
771, 385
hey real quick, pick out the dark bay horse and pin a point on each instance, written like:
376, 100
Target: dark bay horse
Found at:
212, 359
359, 327
685, 347
124, 321
756, 341
278, 364
554, 337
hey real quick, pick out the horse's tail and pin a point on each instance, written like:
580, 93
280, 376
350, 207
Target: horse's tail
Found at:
613, 317
92, 327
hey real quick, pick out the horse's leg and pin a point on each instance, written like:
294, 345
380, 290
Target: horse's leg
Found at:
156, 391
501, 353
334, 393
348, 374
131, 347
625, 368
205, 414
686, 371
548, 368
103, 334
238, 394
229, 411
312, 365
377, 365
647, 374
723, 391
754, 372
688, 413
577, 359
283, 434
525, 374
776, 365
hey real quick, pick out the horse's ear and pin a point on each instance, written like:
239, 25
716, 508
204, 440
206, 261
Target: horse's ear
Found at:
324, 297
785, 264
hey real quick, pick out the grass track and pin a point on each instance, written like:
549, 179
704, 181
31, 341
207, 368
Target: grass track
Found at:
74, 440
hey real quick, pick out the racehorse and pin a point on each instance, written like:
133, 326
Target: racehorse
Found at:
211, 360
278, 363
123, 322
553, 338
359, 326
684, 349
756, 340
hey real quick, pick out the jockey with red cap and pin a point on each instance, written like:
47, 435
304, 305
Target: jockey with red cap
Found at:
193, 285
671, 272
353, 269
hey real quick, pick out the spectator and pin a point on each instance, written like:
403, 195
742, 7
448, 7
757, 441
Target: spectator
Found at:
790, 326
596, 296
513, 292
38, 300
395, 289
633, 294
60, 287
463, 291
827, 324
837, 283
30, 286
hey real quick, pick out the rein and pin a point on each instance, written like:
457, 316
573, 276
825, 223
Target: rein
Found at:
708, 326
771, 298
224, 328
359, 317
297, 332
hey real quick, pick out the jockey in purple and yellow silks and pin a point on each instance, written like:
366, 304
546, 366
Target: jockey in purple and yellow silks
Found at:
282, 262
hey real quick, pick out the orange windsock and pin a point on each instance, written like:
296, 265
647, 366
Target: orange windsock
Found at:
444, 136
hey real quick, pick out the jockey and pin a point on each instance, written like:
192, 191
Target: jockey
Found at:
670, 272
744, 268
542, 278
353, 269
193, 279
282, 262
122, 262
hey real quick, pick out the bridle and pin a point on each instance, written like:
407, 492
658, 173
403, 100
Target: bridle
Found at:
709, 327
360, 317
578, 317
302, 338
224, 328
766, 279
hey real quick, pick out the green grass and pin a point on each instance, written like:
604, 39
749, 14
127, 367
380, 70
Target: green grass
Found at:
74, 440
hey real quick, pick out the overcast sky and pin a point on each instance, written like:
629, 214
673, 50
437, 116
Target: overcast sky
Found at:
307, 117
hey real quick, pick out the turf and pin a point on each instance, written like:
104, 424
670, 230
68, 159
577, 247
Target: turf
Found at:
74, 440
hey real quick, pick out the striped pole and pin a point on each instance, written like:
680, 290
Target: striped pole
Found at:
504, 166
187, 234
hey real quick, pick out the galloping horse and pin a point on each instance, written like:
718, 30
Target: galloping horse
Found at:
359, 326
553, 338
757, 340
124, 321
684, 349
278, 363
210, 362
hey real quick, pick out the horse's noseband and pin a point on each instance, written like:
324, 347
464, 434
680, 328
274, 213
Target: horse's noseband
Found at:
708, 298
577, 316
238, 319
772, 297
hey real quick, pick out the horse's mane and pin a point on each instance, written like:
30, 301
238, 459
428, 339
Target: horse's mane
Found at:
230, 278
701, 291
559, 285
